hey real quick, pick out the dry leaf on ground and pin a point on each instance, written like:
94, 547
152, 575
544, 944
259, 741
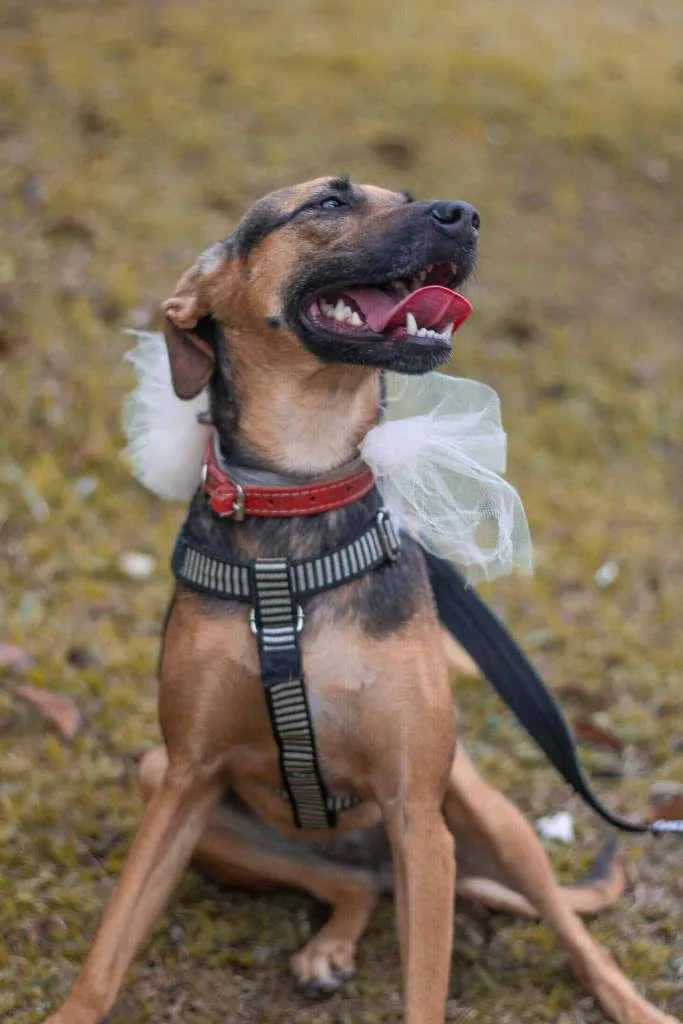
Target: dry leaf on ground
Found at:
56, 707
587, 730
14, 657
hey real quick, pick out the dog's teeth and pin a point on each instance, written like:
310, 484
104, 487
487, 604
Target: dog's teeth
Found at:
355, 320
342, 311
411, 324
447, 332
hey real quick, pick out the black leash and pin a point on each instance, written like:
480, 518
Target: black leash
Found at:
516, 681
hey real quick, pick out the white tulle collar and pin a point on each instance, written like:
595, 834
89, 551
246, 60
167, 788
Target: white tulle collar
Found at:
436, 456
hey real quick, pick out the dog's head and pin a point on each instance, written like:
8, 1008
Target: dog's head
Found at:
327, 271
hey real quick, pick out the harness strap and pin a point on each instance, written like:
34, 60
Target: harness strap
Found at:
334, 803
375, 546
277, 620
516, 681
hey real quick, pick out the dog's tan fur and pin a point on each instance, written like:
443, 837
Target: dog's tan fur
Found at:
382, 704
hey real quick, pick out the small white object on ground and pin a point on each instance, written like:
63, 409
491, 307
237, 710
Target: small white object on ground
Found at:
558, 826
137, 565
607, 574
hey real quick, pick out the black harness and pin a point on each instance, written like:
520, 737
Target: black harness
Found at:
274, 587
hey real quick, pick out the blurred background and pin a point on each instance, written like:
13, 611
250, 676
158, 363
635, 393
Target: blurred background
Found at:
132, 134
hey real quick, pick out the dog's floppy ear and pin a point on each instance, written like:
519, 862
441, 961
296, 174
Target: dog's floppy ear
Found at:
191, 356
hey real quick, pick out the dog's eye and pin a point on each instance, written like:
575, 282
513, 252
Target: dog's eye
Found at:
331, 203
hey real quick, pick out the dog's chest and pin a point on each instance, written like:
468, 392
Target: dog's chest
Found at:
344, 672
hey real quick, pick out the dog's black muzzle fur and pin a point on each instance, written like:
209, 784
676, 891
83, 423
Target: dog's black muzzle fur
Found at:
388, 247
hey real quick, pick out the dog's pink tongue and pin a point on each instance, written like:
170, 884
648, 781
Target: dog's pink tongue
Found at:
431, 306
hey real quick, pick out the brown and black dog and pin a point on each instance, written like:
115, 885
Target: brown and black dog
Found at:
293, 391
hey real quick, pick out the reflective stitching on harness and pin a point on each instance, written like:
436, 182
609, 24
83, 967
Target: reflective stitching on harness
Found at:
376, 546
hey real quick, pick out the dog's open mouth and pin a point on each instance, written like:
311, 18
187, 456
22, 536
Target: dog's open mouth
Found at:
421, 308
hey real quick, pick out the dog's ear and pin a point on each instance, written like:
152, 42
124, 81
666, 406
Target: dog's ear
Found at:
191, 356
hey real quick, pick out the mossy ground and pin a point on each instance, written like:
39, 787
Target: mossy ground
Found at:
132, 134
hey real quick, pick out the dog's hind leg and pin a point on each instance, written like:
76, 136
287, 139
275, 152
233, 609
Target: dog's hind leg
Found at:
238, 850
481, 879
474, 807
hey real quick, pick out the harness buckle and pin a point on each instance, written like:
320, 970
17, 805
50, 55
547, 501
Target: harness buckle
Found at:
300, 618
387, 535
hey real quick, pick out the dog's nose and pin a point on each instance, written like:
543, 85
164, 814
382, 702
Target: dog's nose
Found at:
455, 217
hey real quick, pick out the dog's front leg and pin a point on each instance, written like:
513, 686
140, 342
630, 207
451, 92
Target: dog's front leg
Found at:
424, 865
416, 747
173, 822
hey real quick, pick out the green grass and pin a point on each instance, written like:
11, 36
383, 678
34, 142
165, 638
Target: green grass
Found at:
131, 135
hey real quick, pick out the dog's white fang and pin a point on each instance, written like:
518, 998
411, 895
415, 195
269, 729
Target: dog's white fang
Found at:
411, 324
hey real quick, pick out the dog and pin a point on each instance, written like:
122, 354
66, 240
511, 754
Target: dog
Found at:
289, 323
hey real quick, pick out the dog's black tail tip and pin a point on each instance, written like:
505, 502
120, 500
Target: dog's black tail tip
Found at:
604, 882
602, 868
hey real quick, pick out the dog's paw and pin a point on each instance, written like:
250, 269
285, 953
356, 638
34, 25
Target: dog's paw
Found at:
322, 966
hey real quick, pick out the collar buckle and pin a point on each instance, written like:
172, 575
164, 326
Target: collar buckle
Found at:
238, 511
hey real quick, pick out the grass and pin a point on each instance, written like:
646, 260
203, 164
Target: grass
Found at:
131, 135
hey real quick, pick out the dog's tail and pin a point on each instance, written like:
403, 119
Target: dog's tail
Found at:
599, 890
604, 883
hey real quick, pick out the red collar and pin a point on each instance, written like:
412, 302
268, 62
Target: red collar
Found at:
237, 501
